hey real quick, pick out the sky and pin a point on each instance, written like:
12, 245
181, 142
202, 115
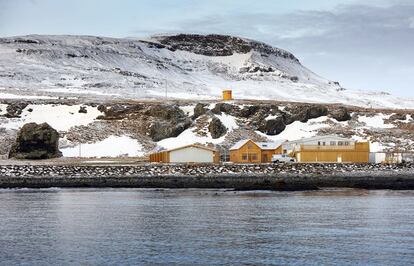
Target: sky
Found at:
366, 45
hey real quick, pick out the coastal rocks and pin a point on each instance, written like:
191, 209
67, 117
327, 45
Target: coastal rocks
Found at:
36, 141
216, 128
341, 114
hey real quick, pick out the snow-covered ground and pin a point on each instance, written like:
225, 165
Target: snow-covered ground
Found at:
113, 146
130, 68
376, 121
60, 117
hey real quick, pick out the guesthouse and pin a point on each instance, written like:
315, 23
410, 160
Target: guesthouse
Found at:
249, 151
193, 153
328, 149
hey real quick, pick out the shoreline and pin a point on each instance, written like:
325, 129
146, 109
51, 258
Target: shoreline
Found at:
284, 177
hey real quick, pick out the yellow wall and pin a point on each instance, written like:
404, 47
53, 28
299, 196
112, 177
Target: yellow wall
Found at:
227, 95
251, 149
358, 155
256, 155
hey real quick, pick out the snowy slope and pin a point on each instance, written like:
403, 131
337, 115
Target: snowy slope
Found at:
188, 66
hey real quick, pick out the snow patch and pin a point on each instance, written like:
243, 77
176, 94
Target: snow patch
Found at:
376, 121
4, 95
188, 109
228, 121
113, 146
298, 130
60, 117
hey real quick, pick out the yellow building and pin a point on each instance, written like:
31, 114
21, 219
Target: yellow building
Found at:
328, 149
227, 95
248, 151
187, 154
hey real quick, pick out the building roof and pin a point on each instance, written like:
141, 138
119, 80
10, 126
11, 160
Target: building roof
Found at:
261, 145
316, 138
194, 146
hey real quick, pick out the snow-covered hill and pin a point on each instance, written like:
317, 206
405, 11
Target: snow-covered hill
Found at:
187, 66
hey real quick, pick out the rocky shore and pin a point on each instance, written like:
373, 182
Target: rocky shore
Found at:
231, 176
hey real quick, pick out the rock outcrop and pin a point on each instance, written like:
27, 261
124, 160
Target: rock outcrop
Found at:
199, 110
36, 141
341, 114
216, 128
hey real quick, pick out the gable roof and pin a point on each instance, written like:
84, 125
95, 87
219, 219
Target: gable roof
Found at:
261, 145
193, 146
270, 145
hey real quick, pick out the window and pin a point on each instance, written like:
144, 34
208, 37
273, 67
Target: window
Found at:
319, 143
284, 151
340, 143
333, 143
346, 143
244, 156
264, 145
253, 157
324, 143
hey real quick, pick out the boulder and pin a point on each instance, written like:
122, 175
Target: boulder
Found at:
199, 110
304, 113
216, 128
224, 108
36, 141
160, 130
14, 110
83, 110
341, 114
401, 117
273, 126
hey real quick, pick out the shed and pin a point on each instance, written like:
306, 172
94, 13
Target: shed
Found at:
193, 153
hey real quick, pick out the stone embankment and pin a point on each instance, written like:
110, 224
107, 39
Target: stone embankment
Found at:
232, 176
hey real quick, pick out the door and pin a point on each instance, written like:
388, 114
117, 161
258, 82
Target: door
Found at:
264, 158
339, 158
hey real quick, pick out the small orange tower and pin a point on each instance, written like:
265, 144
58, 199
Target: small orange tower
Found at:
227, 95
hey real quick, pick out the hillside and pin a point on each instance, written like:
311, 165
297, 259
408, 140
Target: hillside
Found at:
187, 66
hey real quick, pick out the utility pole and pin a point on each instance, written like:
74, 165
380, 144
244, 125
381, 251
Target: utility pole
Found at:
166, 89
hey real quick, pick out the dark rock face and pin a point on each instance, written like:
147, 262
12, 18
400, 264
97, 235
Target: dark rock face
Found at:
14, 110
83, 110
401, 117
119, 111
216, 128
199, 110
341, 114
208, 45
167, 129
304, 113
171, 121
225, 108
36, 141
273, 127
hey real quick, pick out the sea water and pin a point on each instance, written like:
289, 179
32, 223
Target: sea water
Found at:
205, 227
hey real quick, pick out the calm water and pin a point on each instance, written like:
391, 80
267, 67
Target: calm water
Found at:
204, 227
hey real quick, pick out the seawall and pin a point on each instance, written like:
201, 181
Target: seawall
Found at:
241, 177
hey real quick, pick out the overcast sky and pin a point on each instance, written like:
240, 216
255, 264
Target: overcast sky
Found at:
364, 45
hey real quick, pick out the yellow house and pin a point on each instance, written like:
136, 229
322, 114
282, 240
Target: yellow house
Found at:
227, 95
328, 149
248, 151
